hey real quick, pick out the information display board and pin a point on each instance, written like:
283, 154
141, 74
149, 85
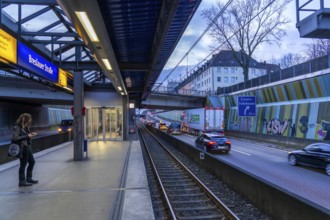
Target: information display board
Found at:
35, 63
8, 47
246, 106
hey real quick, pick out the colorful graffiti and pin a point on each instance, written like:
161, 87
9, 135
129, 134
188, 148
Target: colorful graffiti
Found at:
234, 126
275, 126
304, 124
324, 132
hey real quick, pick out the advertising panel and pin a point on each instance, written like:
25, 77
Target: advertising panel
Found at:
35, 63
8, 46
62, 78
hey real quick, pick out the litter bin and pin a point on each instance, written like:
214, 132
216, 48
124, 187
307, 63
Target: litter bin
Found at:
85, 145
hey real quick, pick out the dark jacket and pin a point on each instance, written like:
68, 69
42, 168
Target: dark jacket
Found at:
20, 136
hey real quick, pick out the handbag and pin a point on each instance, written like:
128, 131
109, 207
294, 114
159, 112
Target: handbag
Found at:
13, 150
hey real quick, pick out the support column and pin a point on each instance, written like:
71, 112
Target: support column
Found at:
78, 103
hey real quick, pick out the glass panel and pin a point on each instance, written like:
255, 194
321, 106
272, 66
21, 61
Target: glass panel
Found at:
107, 123
100, 124
104, 124
42, 21
31, 9
94, 123
119, 124
89, 124
113, 123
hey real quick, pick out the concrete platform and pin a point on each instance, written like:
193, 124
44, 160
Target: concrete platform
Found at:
101, 187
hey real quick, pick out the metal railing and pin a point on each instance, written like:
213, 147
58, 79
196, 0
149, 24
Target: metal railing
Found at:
311, 66
186, 92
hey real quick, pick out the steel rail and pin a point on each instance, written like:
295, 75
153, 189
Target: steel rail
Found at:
168, 203
227, 212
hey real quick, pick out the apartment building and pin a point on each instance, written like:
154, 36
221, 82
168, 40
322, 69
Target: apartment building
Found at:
223, 70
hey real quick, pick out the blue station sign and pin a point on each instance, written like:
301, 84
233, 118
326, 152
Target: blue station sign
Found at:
32, 61
246, 106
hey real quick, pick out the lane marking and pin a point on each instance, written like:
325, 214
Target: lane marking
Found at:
241, 152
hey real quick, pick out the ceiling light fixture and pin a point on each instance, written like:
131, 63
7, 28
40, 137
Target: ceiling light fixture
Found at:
84, 20
107, 64
120, 88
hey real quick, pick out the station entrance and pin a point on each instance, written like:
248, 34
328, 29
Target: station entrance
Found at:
104, 123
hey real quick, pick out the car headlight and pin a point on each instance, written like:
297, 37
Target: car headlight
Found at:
59, 129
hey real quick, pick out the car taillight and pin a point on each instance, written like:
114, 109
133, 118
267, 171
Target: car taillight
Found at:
228, 142
211, 143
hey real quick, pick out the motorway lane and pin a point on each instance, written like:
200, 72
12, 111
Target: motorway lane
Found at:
271, 164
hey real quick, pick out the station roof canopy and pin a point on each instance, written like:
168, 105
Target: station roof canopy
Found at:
132, 42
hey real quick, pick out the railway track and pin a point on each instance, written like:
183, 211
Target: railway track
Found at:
184, 195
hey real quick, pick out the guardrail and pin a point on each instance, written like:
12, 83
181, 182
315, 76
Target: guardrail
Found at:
275, 201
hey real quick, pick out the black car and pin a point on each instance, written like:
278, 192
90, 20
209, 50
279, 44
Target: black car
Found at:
213, 143
174, 128
314, 155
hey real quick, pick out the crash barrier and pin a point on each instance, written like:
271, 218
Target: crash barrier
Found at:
288, 142
38, 144
275, 201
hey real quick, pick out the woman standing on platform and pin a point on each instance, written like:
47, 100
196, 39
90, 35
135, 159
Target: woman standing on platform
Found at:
23, 136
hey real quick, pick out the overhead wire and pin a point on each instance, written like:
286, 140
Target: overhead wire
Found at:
196, 42
216, 49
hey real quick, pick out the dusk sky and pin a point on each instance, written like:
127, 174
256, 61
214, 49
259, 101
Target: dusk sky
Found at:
291, 43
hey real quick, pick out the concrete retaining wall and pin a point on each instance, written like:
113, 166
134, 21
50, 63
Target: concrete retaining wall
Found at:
276, 202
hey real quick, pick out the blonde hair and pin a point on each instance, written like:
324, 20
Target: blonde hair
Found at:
24, 120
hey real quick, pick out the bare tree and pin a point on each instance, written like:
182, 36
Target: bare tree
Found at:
291, 59
318, 48
245, 25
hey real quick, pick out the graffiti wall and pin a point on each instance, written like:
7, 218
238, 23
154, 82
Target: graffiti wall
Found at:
298, 109
306, 120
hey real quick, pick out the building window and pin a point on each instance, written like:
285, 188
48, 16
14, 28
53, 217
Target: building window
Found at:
232, 70
226, 80
226, 70
219, 79
219, 70
232, 79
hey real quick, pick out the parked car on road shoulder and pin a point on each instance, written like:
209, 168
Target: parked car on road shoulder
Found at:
315, 155
65, 125
211, 142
